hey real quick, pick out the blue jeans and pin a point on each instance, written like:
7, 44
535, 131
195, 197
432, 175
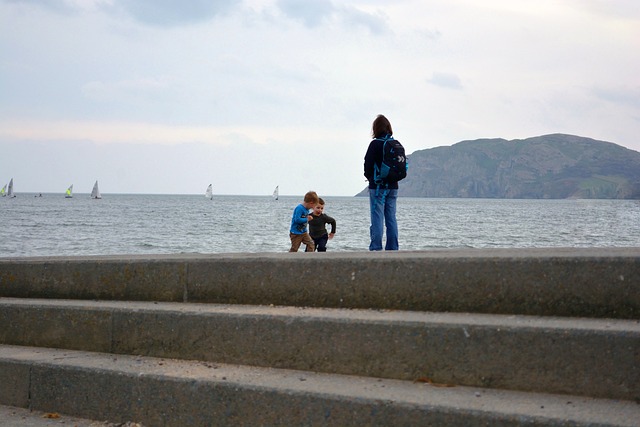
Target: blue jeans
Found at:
383, 210
321, 242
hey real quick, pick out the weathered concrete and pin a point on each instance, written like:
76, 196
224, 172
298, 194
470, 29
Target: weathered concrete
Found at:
358, 328
13, 416
123, 278
14, 388
546, 282
177, 393
527, 353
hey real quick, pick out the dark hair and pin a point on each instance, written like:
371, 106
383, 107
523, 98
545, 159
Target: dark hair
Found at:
381, 127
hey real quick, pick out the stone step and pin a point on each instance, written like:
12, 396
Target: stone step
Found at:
13, 416
168, 392
591, 357
546, 282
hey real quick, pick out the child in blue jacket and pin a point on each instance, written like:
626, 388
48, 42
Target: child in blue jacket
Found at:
298, 232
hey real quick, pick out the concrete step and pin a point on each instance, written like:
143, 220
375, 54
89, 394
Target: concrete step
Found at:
590, 357
546, 282
13, 416
168, 392
452, 337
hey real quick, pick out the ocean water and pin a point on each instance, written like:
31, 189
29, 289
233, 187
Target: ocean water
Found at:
170, 224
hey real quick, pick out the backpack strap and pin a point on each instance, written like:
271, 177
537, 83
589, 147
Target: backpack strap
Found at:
376, 168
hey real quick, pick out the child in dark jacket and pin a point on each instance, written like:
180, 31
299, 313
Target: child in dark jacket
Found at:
318, 229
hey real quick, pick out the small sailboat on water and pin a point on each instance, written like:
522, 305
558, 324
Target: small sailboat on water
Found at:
209, 193
276, 193
3, 192
69, 193
95, 193
10, 189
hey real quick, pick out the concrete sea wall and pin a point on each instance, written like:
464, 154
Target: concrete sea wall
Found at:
451, 337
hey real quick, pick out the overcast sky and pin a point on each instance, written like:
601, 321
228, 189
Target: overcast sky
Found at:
162, 96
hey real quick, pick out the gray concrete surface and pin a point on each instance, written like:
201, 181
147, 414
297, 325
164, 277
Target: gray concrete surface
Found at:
405, 338
127, 388
546, 282
11, 416
529, 353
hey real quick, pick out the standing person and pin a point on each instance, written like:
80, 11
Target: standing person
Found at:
318, 226
301, 217
383, 183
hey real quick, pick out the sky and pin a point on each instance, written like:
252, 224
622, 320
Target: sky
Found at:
166, 97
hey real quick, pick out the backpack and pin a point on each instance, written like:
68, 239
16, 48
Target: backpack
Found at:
394, 164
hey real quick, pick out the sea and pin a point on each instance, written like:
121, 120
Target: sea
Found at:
121, 224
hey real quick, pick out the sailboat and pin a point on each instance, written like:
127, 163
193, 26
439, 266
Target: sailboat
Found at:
69, 193
10, 189
95, 193
209, 193
4, 191
276, 193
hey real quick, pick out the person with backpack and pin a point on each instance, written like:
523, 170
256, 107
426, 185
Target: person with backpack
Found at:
385, 164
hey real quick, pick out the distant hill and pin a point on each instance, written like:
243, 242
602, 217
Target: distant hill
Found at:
545, 167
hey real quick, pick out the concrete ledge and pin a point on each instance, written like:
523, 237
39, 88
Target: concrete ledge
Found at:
14, 416
597, 358
14, 383
554, 282
94, 278
178, 393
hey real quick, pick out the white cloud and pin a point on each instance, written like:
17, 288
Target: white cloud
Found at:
312, 14
123, 132
304, 79
375, 22
315, 13
445, 80
620, 95
173, 13
111, 91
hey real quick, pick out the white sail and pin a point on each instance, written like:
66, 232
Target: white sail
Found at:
95, 193
276, 193
209, 193
69, 193
10, 189
4, 191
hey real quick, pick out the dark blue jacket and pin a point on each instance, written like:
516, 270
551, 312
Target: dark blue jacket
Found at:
374, 157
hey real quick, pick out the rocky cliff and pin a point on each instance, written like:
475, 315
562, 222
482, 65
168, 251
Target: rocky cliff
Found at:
545, 167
